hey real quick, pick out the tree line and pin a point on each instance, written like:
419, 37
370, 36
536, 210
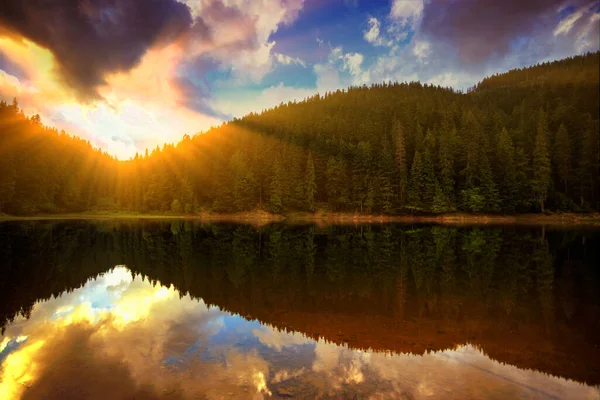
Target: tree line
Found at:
523, 141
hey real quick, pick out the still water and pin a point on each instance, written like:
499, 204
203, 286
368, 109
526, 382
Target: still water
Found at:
182, 310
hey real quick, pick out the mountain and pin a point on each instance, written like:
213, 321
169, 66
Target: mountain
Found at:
523, 141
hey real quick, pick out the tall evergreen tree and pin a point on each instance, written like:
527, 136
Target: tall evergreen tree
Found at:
445, 197
589, 163
361, 179
337, 183
506, 173
562, 156
541, 161
401, 161
276, 188
310, 186
415, 183
385, 172
7, 180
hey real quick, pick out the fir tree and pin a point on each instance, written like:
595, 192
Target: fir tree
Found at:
401, 161
276, 188
562, 156
506, 171
541, 161
310, 186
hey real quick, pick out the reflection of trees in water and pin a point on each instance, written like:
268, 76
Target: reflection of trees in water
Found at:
462, 284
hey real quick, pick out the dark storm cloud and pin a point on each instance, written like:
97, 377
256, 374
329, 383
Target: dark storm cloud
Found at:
479, 30
91, 38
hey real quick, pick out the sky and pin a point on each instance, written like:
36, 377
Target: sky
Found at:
127, 75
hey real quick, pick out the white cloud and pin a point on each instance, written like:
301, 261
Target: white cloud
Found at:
588, 38
372, 35
353, 62
445, 79
328, 77
278, 340
376, 38
406, 9
242, 43
421, 49
567, 23
287, 60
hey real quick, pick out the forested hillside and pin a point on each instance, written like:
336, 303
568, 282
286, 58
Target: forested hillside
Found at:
523, 141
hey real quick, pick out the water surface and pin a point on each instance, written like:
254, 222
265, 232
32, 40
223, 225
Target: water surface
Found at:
181, 310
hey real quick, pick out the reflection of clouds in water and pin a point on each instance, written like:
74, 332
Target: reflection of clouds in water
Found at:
136, 340
277, 340
461, 373
82, 343
284, 375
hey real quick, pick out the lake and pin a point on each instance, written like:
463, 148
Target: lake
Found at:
184, 310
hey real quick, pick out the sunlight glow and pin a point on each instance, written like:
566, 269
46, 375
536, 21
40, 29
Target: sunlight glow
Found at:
19, 370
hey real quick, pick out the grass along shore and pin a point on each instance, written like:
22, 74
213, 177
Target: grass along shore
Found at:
259, 217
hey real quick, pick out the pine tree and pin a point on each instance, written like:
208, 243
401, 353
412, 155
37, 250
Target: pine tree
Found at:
360, 174
445, 199
310, 186
506, 172
562, 156
401, 161
276, 188
440, 202
186, 195
385, 169
541, 161
589, 161
523, 200
337, 182
7, 180
244, 183
429, 181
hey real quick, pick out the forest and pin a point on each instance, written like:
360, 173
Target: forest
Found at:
526, 141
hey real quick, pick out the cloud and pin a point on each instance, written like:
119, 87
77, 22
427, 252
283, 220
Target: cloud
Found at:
135, 70
241, 32
372, 35
421, 49
278, 340
91, 39
456, 43
352, 63
287, 60
406, 10
137, 340
479, 31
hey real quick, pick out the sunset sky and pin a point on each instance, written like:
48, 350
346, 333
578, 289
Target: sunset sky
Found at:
129, 75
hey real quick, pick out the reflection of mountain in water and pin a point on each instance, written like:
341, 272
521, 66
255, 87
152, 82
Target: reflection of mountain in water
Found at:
525, 298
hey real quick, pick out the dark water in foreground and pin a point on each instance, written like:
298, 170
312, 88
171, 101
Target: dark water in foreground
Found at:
180, 310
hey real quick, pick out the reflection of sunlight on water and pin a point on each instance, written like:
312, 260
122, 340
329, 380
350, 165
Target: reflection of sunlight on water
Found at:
138, 326
3, 344
18, 370
260, 383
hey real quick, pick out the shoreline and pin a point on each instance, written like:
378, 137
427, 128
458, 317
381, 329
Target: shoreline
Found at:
322, 218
